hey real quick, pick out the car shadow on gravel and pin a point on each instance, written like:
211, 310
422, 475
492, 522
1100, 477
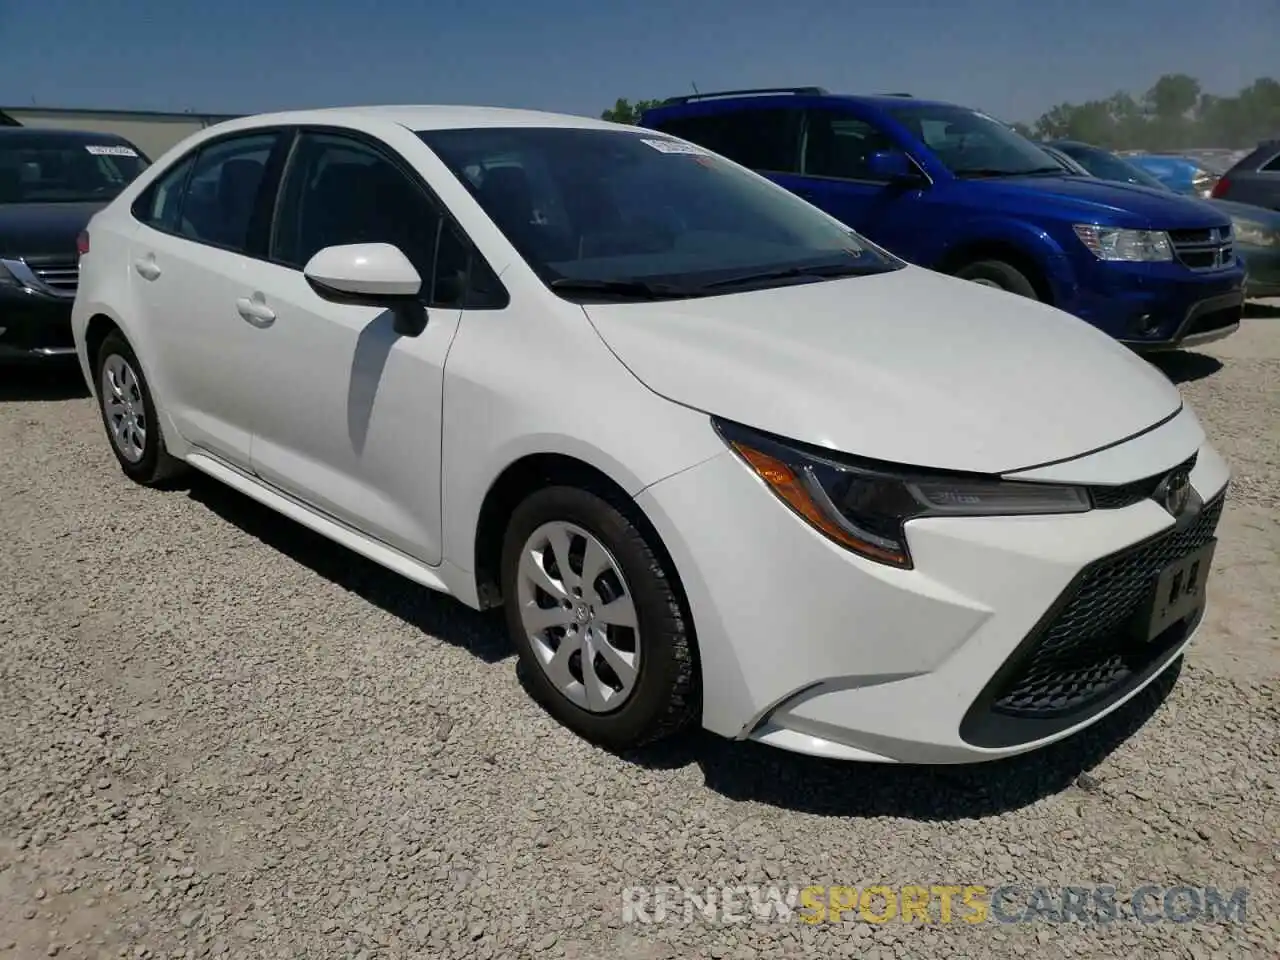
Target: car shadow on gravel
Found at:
483, 634
42, 382
1262, 311
1182, 366
829, 788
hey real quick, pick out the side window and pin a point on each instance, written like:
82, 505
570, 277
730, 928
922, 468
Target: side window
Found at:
340, 190
840, 146
223, 191
759, 139
1272, 165
160, 204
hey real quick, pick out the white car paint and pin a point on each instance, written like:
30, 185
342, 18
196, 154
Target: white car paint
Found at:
866, 364
389, 444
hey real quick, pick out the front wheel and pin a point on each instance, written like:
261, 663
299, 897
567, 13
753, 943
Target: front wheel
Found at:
998, 274
594, 613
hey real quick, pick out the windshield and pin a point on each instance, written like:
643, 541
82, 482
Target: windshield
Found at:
971, 144
33, 170
1108, 166
644, 214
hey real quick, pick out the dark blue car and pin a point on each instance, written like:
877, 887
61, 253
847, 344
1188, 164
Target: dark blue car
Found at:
955, 190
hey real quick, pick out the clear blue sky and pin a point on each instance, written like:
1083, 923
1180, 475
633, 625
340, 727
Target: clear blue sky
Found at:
1014, 58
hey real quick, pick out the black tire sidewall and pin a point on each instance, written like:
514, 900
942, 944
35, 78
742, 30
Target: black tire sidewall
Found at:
1008, 277
664, 652
147, 468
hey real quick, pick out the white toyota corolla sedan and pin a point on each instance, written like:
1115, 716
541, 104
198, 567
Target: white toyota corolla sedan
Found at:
719, 458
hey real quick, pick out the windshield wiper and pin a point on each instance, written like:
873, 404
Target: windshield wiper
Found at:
817, 271
634, 289
992, 172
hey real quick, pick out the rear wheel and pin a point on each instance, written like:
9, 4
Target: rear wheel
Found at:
593, 611
998, 274
129, 414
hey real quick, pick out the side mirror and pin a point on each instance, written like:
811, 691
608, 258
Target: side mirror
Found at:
893, 166
370, 275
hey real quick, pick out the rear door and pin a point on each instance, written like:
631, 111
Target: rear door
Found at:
203, 226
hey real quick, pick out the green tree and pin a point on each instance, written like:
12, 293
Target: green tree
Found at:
1175, 114
624, 111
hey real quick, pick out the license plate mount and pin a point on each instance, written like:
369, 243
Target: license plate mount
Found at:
1179, 591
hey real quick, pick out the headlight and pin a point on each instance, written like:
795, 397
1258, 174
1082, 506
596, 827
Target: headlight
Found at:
1255, 234
864, 507
1204, 182
1132, 246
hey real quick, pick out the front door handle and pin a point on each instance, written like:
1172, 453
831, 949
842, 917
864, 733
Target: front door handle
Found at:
147, 267
255, 310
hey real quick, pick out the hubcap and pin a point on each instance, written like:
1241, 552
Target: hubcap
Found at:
123, 407
577, 610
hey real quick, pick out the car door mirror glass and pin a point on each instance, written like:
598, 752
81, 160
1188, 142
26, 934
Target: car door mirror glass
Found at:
893, 166
371, 274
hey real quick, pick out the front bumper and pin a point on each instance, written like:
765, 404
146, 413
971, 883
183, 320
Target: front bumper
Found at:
808, 647
1158, 306
34, 326
1263, 266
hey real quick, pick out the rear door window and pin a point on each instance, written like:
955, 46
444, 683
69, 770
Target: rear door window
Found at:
222, 192
765, 139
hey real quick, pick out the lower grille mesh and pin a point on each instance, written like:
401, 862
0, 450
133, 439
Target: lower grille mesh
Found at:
1087, 650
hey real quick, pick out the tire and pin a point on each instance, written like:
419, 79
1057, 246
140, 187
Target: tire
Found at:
147, 463
663, 696
997, 273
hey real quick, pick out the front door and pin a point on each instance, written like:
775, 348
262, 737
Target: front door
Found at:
835, 175
349, 419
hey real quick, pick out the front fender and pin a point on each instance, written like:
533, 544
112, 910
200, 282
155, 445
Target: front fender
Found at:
1032, 241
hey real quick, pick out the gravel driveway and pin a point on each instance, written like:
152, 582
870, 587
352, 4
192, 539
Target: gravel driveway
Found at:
222, 736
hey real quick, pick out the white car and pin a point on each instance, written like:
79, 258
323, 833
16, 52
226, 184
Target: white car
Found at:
721, 459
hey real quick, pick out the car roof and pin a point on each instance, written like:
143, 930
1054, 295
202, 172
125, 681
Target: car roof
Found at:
13, 135
419, 117
876, 101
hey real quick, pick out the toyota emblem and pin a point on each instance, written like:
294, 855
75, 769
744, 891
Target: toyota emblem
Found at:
1175, 492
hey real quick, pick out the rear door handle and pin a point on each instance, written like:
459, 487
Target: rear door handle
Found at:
147, 267
255, 310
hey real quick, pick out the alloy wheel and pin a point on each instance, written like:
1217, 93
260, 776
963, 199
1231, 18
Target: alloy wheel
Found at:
123, 408
579, 614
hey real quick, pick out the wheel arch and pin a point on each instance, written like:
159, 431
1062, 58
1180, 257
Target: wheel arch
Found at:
536, 471
1003, 249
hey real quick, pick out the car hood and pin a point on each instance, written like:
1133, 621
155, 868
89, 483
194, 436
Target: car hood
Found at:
1127, 204
1247, 211
910, 367
36, 230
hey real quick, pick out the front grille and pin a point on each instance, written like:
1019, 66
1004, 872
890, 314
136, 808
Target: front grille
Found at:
1127, 494
1199, 250
62, 277
1088, 651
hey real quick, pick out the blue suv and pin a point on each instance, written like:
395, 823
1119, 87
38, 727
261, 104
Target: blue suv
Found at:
955, 190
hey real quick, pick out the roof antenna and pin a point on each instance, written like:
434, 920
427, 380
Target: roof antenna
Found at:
696, 91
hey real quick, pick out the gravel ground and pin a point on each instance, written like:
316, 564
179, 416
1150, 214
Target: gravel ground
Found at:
222, 736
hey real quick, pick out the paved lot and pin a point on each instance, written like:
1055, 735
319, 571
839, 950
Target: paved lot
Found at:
221, 736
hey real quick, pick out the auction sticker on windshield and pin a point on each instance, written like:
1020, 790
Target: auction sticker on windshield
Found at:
675, 146
111, 151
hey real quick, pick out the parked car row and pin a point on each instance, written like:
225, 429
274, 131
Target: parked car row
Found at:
955, 190
720, 459
1257, 229
51, 183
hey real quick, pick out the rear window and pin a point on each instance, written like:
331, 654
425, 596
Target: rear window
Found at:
61, 170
